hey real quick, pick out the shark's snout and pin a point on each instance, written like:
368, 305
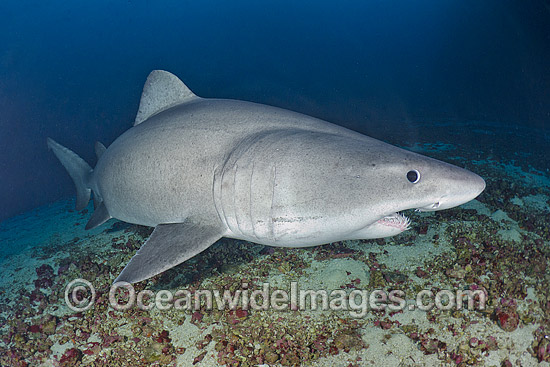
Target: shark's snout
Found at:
461, 189
478, 185
469, 187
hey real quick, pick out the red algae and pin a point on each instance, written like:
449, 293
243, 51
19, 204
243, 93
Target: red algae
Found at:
507, 316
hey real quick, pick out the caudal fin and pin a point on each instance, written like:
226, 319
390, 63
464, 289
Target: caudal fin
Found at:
78, 169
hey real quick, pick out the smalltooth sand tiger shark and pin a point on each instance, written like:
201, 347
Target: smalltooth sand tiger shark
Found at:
198, 169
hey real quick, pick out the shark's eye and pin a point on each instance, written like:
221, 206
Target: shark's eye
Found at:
413, 176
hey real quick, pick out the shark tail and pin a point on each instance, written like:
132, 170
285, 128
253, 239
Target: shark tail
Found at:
78, 169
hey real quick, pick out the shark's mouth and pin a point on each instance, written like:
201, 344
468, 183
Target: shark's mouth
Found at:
396, 220
429, 208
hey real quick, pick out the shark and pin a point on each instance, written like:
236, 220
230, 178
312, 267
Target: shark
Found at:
199, 169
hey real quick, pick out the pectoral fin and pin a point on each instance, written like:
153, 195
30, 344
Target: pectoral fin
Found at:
168, 246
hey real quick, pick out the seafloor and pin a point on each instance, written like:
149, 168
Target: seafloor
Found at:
499, 243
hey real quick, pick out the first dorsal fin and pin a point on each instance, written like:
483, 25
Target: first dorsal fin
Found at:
162, 90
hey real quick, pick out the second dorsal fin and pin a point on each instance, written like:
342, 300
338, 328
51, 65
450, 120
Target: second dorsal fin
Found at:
99, 149
162, 90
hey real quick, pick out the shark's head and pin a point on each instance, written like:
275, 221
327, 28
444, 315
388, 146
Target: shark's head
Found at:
417, 182
325, 187
440, 185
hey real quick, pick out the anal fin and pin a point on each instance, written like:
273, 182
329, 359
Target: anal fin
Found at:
168, 246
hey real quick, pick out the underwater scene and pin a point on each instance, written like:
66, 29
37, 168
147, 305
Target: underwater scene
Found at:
275, 183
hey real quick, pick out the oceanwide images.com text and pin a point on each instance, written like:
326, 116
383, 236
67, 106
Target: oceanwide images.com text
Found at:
80, 295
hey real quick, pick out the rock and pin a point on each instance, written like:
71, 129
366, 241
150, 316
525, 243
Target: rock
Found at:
348, 341
49, 326
507, 318
153, 352
71, 357
271, 357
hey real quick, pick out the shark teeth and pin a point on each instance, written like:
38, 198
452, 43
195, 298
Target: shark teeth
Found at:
396, 220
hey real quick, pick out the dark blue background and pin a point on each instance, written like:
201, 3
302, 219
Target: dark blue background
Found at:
74, 70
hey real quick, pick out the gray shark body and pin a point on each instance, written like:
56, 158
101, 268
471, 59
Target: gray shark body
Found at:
200, 169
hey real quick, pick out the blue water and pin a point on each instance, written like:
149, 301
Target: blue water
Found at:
74, 70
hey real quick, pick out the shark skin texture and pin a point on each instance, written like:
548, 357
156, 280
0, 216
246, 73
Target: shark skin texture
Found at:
199, 169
